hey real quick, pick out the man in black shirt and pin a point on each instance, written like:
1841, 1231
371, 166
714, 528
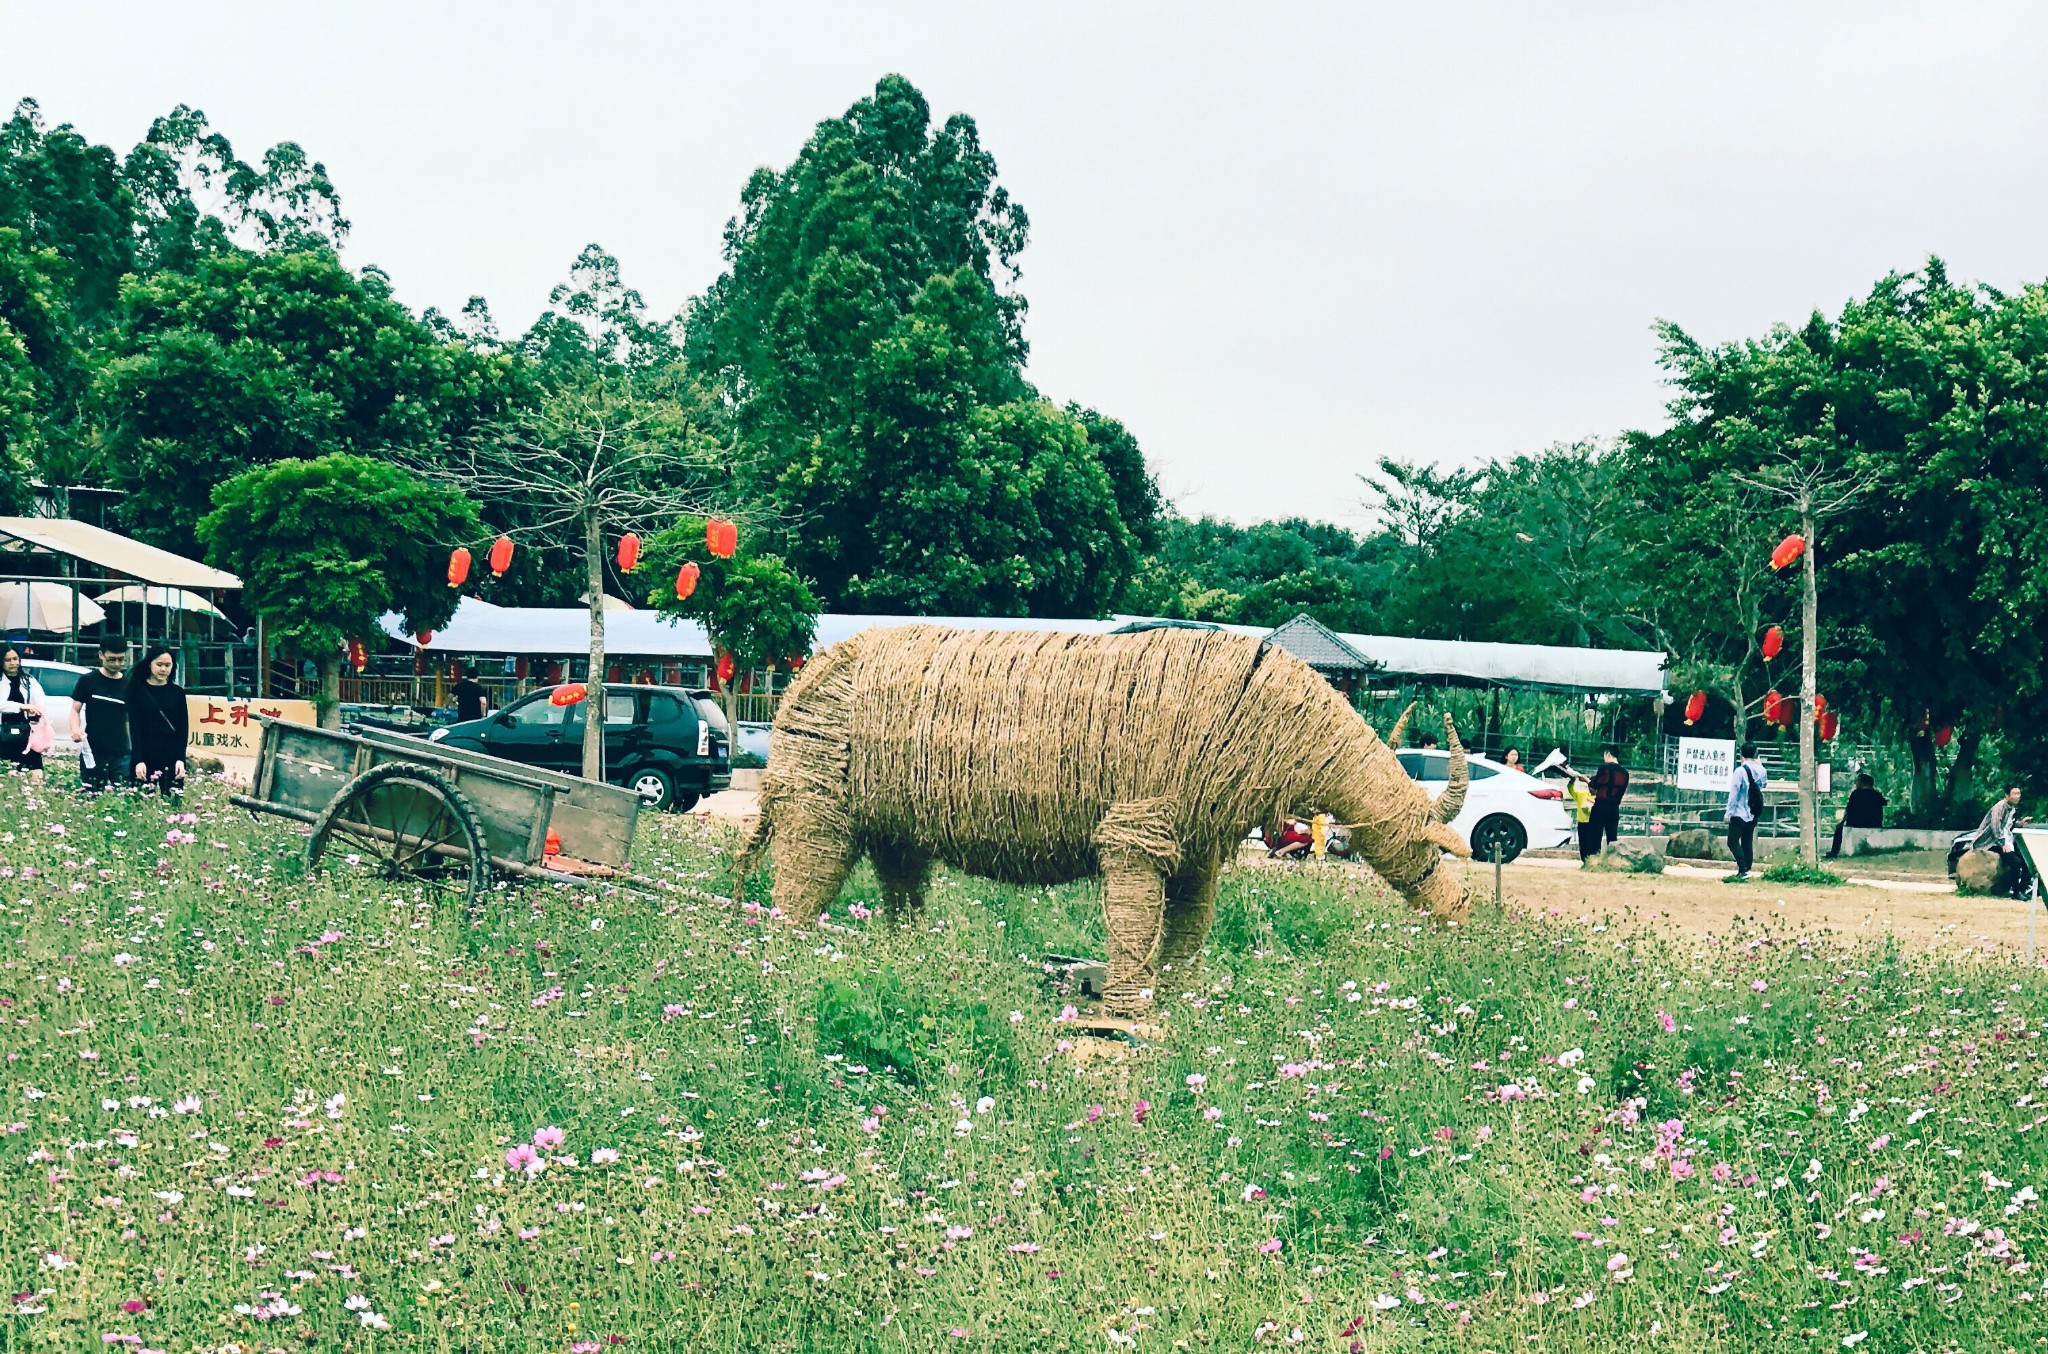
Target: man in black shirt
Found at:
1608, 785
470, 696
99, 718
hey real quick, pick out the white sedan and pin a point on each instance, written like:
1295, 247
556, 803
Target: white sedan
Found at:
56, 680
1505, 809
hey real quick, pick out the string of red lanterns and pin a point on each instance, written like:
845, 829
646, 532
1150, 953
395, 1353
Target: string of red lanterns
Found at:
501, 556
629, 552
1774, 642
458, 567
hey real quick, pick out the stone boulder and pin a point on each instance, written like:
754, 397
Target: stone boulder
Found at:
1625, 858
1697, 843
1979, 872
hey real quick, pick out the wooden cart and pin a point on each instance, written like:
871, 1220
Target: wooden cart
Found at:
439, 817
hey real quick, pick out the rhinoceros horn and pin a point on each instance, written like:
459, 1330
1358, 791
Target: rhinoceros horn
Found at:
1453, 800
1400, 729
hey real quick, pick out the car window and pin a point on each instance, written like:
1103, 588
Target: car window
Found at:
1427, 766
621, 709
540, 713
714, 714
1480, 771
55, 682
663, 708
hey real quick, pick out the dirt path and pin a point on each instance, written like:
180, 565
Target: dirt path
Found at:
1923, 915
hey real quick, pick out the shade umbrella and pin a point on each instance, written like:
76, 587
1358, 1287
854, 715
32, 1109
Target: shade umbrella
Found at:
131, 594
44, 606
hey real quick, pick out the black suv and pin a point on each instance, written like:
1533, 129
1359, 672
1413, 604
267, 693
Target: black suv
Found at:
670, 744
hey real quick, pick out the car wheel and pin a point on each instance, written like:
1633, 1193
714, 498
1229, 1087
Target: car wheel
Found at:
655, 785
1501, 833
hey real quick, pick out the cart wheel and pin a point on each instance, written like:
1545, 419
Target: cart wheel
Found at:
405, 823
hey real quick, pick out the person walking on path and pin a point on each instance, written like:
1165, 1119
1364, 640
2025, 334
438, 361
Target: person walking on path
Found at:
1745, 805
99, 718
1608, 785
159, 725
1995, 834
1864, 809
22, 710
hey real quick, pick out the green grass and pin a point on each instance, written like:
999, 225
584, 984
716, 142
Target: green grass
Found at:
1787, 868
226, 1081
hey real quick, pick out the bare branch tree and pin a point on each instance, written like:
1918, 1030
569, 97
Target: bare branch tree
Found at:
615, 453
1816, 493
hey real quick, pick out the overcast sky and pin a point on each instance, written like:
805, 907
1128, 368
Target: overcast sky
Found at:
1278, 241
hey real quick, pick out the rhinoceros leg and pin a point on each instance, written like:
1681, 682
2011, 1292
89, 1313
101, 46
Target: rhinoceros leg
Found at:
903, 875
1133, 896
1190, 909
814, 852
1137, 850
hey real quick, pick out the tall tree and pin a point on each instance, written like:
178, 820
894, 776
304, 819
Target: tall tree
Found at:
325, 547
869, 337
252, 358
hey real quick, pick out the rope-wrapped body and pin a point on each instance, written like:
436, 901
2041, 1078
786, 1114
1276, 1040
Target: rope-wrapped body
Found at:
1039, 757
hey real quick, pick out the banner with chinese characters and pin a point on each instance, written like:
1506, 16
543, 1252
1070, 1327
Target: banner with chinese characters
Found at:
224, 726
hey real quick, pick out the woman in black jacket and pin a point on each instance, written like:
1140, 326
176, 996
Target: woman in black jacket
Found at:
158, 726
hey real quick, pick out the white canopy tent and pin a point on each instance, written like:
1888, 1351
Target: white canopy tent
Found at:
170, 599
478, 627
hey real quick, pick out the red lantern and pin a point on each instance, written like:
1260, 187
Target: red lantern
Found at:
568, 693
1695, 706
721, 537
629, 552
1829, 726
1820, 705
725, 666
458, 566
501, 556
1774, 643
686, 582
425, 637
795, 662
358, 655
1943, 736
1774, 708
1789, 550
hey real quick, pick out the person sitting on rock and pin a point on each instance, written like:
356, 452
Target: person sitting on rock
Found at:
1995, 834
1864, 809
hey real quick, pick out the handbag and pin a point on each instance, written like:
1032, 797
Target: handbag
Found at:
41, 737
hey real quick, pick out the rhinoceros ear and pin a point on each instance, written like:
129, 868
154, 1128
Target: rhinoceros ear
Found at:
1400, 729
1453, 801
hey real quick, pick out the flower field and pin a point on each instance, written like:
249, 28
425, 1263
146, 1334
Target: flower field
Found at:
248, 1110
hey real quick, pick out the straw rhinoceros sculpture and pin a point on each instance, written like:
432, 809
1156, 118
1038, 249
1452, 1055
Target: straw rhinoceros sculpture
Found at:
1038, 758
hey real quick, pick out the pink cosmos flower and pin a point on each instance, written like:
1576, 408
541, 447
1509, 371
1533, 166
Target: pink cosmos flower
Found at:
1094, 1113
604, 1156
670, 1012
1212, 1113
548, 1139
1670, 1025
524, 1158
1270, 1246
1140, 1110
1681, 1169
1722, 1172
